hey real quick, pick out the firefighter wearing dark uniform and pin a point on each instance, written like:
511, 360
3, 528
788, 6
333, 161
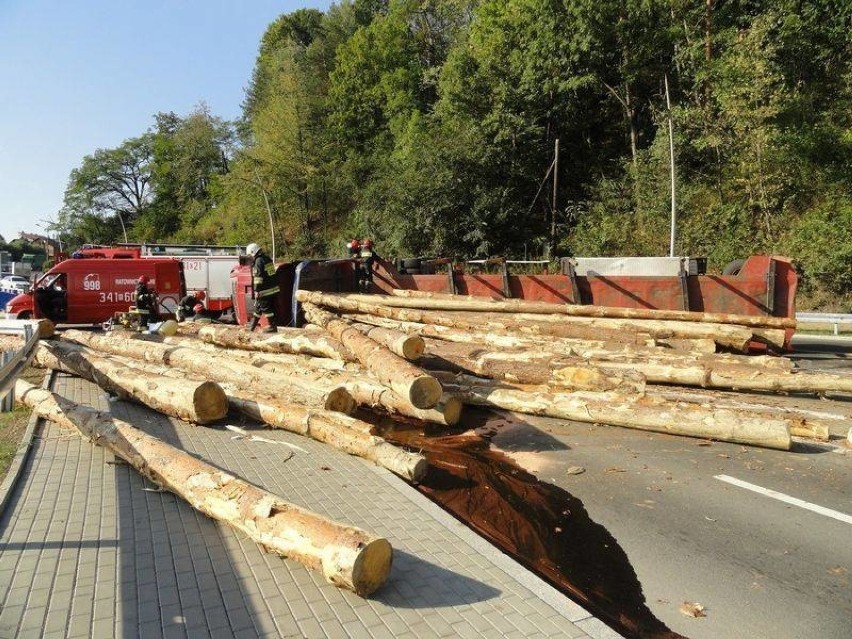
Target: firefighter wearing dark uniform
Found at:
265, 288
186, 307
367, 256
146, 302
200, 316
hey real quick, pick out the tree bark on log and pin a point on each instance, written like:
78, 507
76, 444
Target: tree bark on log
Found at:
467, 322
445, 302
283, 360
500, 340
309, 388
535, 367
347, 556
639, 412
192, 401
725, 335
303, 344
422, 390
335, 429
409, 347
367, 393
340, 431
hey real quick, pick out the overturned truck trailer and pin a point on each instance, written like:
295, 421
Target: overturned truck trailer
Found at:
763, 285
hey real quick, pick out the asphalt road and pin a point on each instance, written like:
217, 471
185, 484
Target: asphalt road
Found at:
761, 567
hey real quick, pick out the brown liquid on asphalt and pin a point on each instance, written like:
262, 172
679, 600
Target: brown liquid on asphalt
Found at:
542, 526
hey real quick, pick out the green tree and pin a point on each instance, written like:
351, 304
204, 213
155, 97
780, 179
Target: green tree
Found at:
111, 187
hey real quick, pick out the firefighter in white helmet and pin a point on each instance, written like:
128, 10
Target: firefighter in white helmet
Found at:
265, 288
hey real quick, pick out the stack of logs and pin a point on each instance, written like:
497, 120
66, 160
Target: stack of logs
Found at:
600, 365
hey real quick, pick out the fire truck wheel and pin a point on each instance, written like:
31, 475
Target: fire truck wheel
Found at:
733, 268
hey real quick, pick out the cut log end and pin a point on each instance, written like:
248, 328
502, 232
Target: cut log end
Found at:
340, 401
411, 347
425, 391
46, 329
210, 402
452, 406
372, 566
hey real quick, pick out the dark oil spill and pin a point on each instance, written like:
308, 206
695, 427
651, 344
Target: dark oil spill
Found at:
542, 526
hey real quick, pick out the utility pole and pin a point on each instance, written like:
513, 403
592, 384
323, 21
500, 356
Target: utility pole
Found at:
552, 247
673, 233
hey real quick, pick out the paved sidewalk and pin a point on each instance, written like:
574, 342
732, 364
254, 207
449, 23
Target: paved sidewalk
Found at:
90, 549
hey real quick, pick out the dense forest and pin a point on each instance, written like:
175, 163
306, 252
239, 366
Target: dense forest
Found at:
431, 125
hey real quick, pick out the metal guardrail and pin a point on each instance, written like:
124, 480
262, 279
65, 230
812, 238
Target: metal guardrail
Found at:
12, 363
835, 319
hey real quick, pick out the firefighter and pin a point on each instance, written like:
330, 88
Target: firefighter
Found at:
146, 302
200, 315
186, 307
354, 248
367, 256
265, 288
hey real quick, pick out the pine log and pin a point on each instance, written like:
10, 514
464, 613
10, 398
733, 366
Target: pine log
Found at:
309, 388
557, 349
514, 341
192, 401
445, 302
366, 391
302, 344
340, 431
530, 367
469, 322
369, 393
347, 556
422, 390
407, 346
639, 412
283, 360
725, 335
738, 377
803, 423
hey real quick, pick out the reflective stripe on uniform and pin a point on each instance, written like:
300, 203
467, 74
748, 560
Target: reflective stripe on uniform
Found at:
268, 291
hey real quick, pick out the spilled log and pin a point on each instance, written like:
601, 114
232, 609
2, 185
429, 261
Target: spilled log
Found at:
304, 343
193, 401
407, 346
514, 341
309, 388
468, 322
347, 556
638, 412
422, 390
445, 302
335, 429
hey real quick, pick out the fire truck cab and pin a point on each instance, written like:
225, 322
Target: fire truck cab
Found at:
90, 291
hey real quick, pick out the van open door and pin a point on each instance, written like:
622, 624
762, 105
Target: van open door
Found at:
51, 298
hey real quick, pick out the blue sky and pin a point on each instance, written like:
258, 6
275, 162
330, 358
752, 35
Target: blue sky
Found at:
78, 75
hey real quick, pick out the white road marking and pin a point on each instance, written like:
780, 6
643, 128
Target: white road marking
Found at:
768, 492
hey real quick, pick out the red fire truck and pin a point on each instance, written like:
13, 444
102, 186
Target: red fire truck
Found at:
90, 291
206, 267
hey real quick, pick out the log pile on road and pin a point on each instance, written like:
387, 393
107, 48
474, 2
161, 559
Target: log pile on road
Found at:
423, 356
601, 365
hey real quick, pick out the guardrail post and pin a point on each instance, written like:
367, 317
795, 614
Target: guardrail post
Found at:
8, 402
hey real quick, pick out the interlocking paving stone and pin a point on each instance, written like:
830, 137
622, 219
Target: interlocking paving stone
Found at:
90, 548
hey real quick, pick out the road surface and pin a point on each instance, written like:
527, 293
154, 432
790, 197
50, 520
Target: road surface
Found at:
700, 522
